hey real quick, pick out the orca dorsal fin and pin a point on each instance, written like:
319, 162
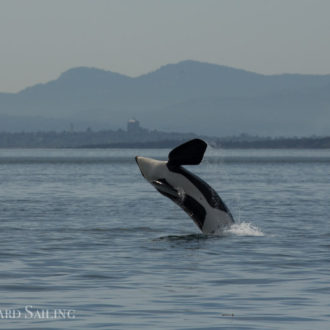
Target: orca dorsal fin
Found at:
188, 153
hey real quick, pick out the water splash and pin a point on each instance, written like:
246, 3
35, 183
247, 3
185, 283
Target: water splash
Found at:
244, 229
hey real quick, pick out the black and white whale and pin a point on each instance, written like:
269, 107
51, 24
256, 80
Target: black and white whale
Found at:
191, 193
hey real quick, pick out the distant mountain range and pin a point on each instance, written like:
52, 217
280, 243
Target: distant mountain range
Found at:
189, 96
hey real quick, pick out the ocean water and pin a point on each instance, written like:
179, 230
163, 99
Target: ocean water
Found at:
87, 243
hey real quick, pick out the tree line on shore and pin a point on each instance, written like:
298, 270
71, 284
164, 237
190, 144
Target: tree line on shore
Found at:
150, 139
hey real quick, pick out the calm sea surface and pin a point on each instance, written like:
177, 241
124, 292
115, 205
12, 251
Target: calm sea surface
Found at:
87, 243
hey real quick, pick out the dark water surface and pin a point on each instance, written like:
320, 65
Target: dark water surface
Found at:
86, 243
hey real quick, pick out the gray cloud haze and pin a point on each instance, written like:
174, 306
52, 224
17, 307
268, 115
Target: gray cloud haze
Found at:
42, 38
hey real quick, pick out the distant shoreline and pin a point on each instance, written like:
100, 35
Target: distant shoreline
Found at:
279, 143
138, 137
274, 143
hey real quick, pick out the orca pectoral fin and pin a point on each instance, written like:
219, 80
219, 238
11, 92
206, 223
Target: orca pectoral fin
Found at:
189, 153
163, 187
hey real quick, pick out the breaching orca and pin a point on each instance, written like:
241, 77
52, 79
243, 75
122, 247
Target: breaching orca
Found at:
191, 193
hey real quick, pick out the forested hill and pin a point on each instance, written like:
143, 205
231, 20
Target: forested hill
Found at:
188, 96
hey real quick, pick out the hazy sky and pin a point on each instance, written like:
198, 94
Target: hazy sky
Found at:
42, 38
